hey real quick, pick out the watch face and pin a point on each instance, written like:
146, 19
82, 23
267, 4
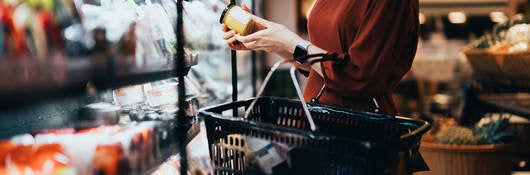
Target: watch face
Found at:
299, 54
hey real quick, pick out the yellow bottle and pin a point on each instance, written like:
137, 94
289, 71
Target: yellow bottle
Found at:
237, 19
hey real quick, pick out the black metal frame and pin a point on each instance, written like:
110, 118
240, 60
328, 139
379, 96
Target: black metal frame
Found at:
254, 70
234, 72
179, 71
253, 60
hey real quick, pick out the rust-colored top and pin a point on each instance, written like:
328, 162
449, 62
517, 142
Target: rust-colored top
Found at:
375, 40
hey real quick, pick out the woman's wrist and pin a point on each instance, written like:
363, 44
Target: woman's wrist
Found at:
291, 46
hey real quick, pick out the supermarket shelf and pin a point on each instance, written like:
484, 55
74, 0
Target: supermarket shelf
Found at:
494, 84
50, 114
480, 101
27, 81
518, 104
172, 149
125, 74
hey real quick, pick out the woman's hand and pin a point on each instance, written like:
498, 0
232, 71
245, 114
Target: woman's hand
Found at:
229, 34
267, 36
270, 37
231, 41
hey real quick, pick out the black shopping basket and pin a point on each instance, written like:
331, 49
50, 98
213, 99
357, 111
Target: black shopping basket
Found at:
347, 141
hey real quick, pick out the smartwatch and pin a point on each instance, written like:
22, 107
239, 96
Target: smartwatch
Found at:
300, 52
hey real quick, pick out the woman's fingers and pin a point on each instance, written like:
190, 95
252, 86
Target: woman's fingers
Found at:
251, 37
225, 28
251, 45
229, 34
235, 45
231, 40
243, 39
231, 45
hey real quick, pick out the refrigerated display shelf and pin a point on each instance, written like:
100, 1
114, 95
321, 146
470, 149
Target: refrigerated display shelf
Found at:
120, 77
501, 84
518, 104
25, 82
172, 149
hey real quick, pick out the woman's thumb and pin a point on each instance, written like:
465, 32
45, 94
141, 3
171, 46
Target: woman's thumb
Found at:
245, 7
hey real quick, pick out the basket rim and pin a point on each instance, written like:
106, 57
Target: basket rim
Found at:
308, 134
470, 50
422, 126
427, 145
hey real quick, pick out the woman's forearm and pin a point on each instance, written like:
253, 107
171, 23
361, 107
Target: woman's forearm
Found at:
312, 49
289, 58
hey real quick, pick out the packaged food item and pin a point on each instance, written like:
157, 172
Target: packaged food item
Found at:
101, 130
35, 159
161, 27
97, 114
235, 18
129, 96
518, 36
49, 159
109, 160
56, 131
265, 156
163, 95
119, 149
5, 148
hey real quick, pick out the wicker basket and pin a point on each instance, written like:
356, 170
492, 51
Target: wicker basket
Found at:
498, 62
514, 65
483, 62
467, 159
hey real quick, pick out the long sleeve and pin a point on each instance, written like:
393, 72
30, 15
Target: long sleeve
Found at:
383, 40
374, 40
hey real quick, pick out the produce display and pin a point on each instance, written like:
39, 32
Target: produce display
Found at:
489, 131
503, 54
486, 148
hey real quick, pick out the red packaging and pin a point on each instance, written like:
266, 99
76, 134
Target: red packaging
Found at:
56, 131
5, 149
107, 159
103, 129
44, 154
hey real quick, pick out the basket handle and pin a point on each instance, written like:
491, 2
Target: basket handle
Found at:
418, 131
275, 67
312, 124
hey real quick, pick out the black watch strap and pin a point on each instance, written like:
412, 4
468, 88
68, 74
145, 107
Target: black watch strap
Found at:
300, 52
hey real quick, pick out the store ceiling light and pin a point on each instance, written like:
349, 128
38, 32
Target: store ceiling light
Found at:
498, 17
457, 17
422, 18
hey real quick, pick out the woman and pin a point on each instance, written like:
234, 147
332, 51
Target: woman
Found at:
369, 45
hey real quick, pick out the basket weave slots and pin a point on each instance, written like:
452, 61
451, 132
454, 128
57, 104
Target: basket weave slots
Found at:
348, 141
514, 65
467, 159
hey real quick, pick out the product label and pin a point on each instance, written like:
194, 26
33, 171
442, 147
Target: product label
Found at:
129, 95
265, 153
163, 95
240, 15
